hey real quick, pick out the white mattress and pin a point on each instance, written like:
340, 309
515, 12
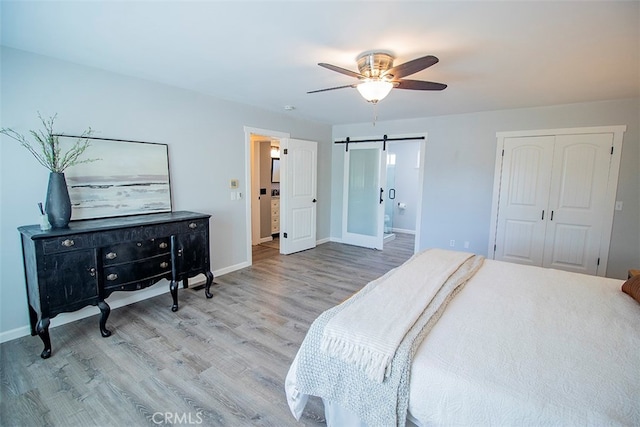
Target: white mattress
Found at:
524, 345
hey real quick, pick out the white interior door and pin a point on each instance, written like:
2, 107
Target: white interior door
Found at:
577, 202
363, 203
298, 166
524, 195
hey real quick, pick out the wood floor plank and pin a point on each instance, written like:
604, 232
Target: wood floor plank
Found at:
221, 361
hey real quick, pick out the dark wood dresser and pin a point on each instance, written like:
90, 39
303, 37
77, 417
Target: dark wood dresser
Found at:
71, 268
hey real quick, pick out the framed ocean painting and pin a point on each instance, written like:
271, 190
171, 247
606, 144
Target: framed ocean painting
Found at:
126, 178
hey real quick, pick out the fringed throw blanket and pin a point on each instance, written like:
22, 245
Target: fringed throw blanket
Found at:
367, 343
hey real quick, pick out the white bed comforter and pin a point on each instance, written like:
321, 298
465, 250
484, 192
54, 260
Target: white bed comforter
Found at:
527, 346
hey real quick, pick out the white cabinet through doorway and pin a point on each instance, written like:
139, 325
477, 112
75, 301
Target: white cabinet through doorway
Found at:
554, 197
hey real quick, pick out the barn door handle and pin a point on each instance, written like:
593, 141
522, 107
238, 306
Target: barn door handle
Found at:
381, 193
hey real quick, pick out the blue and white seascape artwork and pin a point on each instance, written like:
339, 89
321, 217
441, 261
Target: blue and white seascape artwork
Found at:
128, 178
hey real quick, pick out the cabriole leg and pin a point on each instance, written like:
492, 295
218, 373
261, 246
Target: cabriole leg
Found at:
207, 286
43, 332
173, 287
104, 310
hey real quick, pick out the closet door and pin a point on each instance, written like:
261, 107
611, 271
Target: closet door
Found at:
524, 195
577, 202
554, 197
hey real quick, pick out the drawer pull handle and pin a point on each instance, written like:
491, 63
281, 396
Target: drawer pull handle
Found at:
68, 243
139, 244
164, 264
112, 276
112, 255
193, 225
92, 272
163, 245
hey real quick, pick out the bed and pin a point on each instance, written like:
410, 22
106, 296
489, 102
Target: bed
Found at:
506, 344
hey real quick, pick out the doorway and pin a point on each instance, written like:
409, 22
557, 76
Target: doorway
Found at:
382, 193
290, 181
260, 188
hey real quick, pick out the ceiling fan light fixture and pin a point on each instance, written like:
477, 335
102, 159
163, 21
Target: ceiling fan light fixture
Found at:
374, 90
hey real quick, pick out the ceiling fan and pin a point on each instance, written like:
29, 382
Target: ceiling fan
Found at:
378, 76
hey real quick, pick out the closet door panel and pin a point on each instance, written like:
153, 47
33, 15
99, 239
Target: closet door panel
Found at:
526, 176
578, 201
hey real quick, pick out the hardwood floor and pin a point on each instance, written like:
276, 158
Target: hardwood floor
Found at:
215, 362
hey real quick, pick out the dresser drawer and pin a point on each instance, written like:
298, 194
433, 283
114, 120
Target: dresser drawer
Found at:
67, 243
131, 251
122, 274
194, 225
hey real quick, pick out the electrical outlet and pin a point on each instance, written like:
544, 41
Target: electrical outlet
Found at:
452, 243
466, 245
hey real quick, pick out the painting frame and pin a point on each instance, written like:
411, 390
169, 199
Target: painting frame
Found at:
122, 178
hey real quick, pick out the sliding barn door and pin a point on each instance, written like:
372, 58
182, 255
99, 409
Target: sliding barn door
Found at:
363, 195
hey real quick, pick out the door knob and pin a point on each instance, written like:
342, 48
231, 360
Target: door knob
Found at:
314, 200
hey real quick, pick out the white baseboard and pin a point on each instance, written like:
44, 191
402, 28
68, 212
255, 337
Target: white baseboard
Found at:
403, 231
322, 241
231, 269
118, 299
15, 333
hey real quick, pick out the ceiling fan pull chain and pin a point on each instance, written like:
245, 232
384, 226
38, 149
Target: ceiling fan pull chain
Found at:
375, 113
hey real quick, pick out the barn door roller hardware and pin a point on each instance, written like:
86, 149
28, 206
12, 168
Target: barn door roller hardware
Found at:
384, 140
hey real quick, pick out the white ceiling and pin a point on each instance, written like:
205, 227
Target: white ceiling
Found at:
493, 55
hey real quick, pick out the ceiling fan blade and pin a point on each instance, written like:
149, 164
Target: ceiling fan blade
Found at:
412, 67
341, 70
418, 85
332, 88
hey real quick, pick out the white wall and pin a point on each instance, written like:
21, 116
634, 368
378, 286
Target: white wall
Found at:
206, 149
459, 168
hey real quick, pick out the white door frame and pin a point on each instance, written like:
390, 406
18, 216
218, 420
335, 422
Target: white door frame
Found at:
423, 156
251, 185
